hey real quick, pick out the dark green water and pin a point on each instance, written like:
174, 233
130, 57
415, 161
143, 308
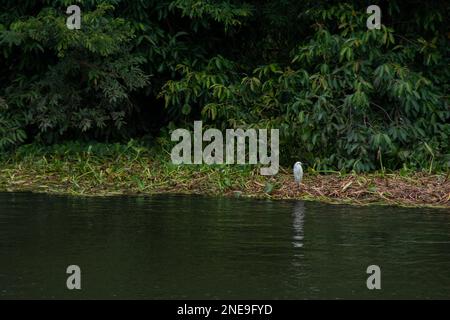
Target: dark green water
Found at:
193, 247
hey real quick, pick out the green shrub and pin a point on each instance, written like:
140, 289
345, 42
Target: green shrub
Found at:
350, 98
343, 97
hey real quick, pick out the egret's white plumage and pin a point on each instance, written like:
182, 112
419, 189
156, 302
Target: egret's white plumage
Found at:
298, 172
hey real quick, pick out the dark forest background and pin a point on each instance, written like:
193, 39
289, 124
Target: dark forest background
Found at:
344, 97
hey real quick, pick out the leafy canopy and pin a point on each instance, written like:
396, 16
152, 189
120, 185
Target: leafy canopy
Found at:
343, 97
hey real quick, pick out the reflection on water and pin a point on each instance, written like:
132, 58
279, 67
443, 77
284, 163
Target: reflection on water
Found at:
210, 248
297, 224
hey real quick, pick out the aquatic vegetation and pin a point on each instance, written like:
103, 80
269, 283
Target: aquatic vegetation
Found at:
111, 169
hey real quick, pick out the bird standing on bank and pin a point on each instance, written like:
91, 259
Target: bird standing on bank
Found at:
298, 172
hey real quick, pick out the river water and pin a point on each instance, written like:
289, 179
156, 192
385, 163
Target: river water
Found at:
189, 247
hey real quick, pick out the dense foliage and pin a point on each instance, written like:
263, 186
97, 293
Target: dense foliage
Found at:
343, 96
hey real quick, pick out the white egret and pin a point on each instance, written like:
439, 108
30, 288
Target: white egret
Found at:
298, 172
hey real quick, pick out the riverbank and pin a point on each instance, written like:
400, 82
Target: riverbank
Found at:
113, 169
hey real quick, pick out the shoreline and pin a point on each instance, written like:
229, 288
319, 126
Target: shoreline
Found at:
377, 199
106, 170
